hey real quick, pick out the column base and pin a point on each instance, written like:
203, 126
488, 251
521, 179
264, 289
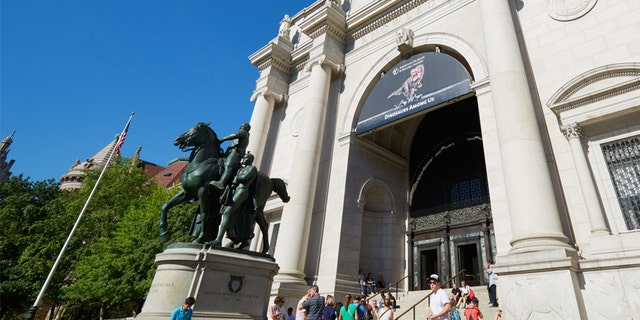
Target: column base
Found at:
540, 285
290, 276
540, 242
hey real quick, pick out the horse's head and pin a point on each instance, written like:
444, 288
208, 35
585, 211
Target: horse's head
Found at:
198, 135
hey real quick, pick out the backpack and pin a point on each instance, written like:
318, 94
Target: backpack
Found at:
454, 315
472, 294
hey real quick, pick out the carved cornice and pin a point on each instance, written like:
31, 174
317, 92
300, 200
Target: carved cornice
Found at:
359, 32
326, 19
575, 94
276, 53
277, 63
331, 30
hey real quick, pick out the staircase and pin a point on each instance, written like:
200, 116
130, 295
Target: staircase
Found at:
407, 299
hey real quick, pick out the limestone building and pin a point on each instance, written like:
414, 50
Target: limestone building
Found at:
431, 136
167, 177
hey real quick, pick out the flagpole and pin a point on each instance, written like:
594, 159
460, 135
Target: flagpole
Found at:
32, 311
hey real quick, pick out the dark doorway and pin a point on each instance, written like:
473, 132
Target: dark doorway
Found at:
428, 266
468, 260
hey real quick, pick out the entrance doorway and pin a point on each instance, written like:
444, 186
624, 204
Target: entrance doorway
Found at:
468, 260
428, 266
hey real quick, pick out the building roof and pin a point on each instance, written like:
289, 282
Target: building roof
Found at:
73, 178
172, 174
167, 177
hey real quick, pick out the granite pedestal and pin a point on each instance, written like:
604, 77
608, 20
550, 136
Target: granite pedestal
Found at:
227, 284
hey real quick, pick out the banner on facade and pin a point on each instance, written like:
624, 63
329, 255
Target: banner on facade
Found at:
423, 81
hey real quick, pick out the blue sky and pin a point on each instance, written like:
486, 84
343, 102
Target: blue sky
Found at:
72, 71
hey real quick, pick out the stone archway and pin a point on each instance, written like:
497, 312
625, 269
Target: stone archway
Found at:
382, 237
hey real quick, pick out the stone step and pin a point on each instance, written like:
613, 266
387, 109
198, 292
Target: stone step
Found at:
407, 299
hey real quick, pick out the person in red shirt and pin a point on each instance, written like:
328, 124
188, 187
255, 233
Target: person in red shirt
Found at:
472, 311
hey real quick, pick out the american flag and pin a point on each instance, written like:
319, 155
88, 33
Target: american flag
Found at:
121, 138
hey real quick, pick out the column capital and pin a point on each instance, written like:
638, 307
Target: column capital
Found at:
572, 131
323, 60
269, 94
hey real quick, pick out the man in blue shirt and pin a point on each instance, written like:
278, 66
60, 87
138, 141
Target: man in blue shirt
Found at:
315, 304
361, 313
184, 312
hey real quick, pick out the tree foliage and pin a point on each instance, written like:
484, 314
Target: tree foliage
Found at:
23, 205
108, 265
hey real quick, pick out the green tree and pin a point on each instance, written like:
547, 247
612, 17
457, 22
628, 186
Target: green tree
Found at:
108, 265
23, 205
114, 275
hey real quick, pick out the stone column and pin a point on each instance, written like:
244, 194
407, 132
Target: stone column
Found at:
573, 132
296, 215
540, 256
265, 101
535, 220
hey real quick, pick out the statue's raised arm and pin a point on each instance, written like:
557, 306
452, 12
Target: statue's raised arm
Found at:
235, 151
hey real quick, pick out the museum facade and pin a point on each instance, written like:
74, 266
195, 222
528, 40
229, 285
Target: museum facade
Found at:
433, 136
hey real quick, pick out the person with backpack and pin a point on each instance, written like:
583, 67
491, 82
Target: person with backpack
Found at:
453, 314
472, 312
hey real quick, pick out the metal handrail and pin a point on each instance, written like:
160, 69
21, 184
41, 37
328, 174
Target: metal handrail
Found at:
427, 296
387, 288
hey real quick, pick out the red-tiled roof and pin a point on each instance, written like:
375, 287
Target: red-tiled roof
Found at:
172, 174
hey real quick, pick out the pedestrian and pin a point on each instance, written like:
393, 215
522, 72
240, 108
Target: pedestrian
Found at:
290, 315
492, 285
185, 311
348, 309
314, 305
472, 312
361, 311
300, 311
440, 304
329, 312
276, 311
386, 313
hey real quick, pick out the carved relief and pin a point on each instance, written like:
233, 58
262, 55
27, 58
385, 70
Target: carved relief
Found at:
518, 302
567, 10
604, 296
571, 131
469, 215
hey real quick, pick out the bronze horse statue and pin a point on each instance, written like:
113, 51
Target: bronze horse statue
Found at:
206, 165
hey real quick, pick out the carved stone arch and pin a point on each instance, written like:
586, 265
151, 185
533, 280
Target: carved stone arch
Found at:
598, 95
376, 196
456, 47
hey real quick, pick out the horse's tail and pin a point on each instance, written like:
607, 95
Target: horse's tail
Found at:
281, 189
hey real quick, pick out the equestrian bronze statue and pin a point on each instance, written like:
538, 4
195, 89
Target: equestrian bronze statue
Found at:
238, 205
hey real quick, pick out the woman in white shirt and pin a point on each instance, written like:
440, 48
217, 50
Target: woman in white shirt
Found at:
276, 310
385, 313
465, 289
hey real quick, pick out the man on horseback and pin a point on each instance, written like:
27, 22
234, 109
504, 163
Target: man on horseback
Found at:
234, 154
